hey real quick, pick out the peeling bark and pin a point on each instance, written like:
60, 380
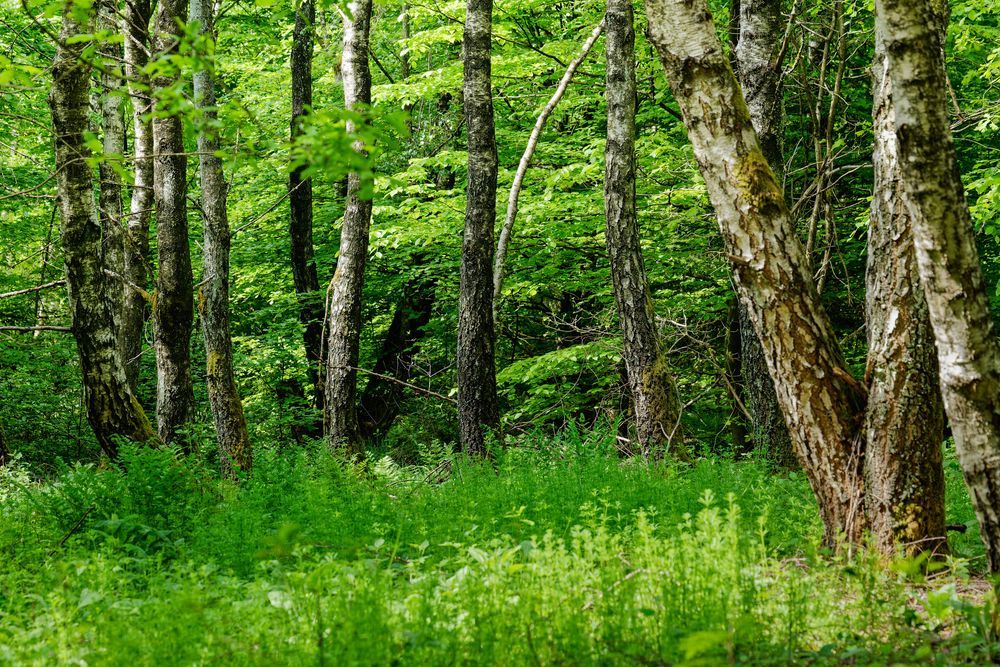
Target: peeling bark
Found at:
112, 410
348, 280
656, 408
235, 452
477, 385
173, 311
947, 259
820, 400
904, 423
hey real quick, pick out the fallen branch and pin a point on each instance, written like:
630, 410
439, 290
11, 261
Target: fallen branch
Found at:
33, 329
522, 167
405, 384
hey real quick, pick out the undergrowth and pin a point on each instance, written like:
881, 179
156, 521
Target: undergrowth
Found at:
554, 552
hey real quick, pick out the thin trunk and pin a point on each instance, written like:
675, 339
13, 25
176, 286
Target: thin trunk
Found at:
529, 150
905, 419
477, 383
656, 408
134, 309
734, 377
112, 104
947, 259
4, 449
819, 398
757, 49
404, 58
300, 198
381, 400
173, 311
348, 280
112, 410
235, 452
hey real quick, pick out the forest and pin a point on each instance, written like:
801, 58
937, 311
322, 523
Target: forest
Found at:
438, 332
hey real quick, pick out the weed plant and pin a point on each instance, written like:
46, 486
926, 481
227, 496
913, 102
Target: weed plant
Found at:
555, 552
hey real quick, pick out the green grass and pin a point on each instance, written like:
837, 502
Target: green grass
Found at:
556, 553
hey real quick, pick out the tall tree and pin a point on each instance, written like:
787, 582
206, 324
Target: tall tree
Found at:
821, 401
477, 384
300, 199
112, 410
904, 423
235, 452
173, 311
136, 261
348, 280
759, 32
947, 259
654, 396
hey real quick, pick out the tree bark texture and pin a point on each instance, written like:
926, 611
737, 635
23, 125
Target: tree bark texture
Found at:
300, 199
947, 259
235, 452
112, 410
819, 398
136, 269
112, 104
382, 398
905, 418
757, 49
348, 280
173, 311
477, 383
656, 407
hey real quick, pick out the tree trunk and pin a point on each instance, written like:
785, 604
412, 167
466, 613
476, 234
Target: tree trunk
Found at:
4, 449
112, 410
137, 43
757, 49
905, 419
173, 312
112, 104
656, 407
734, 377
381, 400
947, 259
348, 279
300, 198
477, 383
820, 400
235, 452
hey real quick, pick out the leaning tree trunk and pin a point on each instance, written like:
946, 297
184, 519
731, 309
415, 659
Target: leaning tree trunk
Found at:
819, 398
112, 104
947, 258
235, 452
656, 407
904, 422
757, 49
112, 410
348, 279
300, 198
173, 310
477, 383
137, 17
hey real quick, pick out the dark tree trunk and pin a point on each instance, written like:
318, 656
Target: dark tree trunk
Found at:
4, 450
477, 384
134, 307
905, 418
947, 259
757, 47
112, 410
235, 452
820, 400
173, 311
300, 198
382, 398
656, 408
734, 377
348, 280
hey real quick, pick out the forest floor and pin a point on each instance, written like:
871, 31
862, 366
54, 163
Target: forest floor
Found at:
558, 553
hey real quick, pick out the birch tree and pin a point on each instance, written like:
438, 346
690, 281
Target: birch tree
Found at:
348, 280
